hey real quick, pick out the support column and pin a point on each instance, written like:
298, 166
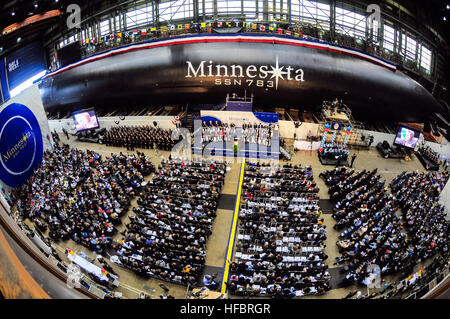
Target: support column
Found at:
333, 20
156, 13
266, 11
215, 9
289, 4
195, 2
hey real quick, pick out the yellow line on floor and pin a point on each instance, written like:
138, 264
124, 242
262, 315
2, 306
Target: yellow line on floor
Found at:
233, 230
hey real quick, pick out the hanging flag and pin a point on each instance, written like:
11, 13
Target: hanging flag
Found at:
135, 32
288, 32
119, 35
180, 27
187, 26
219, 24
280, 31
203, 25
262, 28
144, 31
153, 29
271, 28
164, 28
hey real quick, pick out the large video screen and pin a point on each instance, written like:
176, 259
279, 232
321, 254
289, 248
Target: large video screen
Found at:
85, 120
407, 137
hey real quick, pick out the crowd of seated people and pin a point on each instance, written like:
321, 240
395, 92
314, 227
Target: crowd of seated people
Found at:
281, 235
333, 151
80, 195
250, 133
425, 219
370, 228
132, 137
167, 234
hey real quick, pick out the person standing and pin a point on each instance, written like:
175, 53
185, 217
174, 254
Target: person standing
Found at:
353, 159
338, 160
65, 133
446, 165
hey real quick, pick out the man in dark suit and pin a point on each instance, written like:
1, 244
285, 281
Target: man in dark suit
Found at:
353, 159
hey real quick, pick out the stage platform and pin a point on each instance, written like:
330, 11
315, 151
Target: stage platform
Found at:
247, 151
329, 161
430, 166
340, 116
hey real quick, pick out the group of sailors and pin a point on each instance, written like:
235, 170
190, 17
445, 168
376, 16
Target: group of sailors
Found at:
248, 133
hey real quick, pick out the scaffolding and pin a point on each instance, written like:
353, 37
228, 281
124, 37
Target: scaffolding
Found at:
342, 116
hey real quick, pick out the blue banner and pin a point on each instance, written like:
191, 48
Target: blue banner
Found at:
21, 146
25, 63
3, 82
266, 117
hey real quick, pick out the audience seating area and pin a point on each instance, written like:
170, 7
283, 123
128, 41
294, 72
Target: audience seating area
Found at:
167, 234
371, 230
80, 195
281, 235
424, 217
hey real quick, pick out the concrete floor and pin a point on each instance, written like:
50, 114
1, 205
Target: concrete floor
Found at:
131, 285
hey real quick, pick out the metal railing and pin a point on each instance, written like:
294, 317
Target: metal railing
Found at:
300, 30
